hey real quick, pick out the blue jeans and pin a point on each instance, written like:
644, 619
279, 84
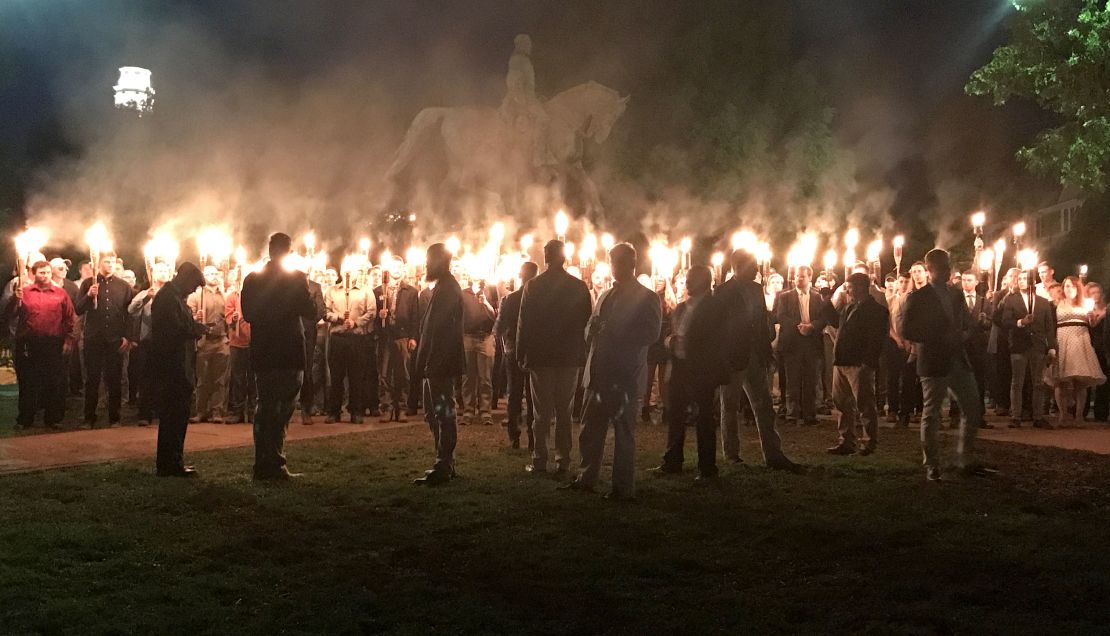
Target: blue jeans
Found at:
277, 394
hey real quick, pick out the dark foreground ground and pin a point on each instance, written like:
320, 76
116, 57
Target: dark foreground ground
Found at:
854, 545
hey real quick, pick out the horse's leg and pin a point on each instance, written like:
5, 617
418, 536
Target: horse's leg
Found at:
589, 189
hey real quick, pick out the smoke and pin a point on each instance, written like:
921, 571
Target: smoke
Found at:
286, 116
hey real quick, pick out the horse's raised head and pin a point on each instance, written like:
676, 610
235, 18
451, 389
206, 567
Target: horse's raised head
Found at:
606, 116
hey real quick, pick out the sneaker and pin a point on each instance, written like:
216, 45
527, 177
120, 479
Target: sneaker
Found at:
932, 473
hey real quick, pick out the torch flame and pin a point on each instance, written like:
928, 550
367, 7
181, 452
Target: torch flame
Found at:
744, 240
526, 242
497, 232
31, 240
414, 255
364, 245
851, 238
453, 245
979, 219
97, 238
214, 243
986, 259
686, 244
607, 241
310, 241
874, 250
717, 259
1028, 259
899, 241
161, 246
562, 222
1019, 229
830, 259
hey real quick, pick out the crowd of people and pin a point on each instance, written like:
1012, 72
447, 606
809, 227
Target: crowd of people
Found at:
700, 349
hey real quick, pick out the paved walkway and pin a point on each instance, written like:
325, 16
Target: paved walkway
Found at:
73, 448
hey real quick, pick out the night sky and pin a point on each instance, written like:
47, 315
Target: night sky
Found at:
893, 71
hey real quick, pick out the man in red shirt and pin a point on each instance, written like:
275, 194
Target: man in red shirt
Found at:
43, 335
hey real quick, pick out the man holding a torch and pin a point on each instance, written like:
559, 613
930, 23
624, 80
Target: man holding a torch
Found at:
44, 318
103, 301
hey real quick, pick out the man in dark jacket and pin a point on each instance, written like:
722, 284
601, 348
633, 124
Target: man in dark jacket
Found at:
174, 333
550, 344
103, 301
801, 317
441, 361
698, 367
934, 320
519, 385
1031, 322
275, 303
863, 326
399, 319
747, 346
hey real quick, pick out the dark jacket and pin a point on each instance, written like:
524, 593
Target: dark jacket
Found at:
553, 315
980, 332
404, 321
109, 320
505, 327
940, 333
863, 330
278, 304
748, 333
439, 353
787, 312
478, 316
317, 293
1037, 337
174, 332
706, 363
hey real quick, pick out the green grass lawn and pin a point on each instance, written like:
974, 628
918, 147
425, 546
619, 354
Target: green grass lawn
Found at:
855, 545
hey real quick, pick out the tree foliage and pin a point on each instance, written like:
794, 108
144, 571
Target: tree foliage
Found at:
1059, 57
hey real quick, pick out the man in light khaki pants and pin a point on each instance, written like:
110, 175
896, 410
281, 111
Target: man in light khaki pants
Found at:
550, 344
863, 325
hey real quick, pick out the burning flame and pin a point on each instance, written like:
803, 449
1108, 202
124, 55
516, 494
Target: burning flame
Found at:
562, 223
851, 239
831, 257
717, 259
214, 244
874, 250
1019, 229
30, 241
1028, 259
744, 240
899, 242
986, 259
162, 246
526, 243
979, 219
608, 241
454, 245
96, 237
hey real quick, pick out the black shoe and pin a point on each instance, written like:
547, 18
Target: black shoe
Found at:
433, 478
1002, 412
514, 443
1015, 423
932, 473
233, 420
986, 424
533, 469
374, 412
281, 475
577, 485
866, 449
735, 459
842, 449
666, 470
812, 422
91, 423
411, 413
904, 422
1042, 424
707, 479
356, 419
331, 419
144, 423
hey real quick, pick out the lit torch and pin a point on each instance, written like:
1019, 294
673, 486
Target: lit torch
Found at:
829, 261
977, 221
27, 244
874, 258
718, 262
562, 223
899, 243
160, 246
99, 242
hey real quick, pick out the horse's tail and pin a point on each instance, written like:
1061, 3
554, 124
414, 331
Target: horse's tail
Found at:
426, 122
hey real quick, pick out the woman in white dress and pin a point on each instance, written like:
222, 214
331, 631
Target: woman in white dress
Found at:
1075, 367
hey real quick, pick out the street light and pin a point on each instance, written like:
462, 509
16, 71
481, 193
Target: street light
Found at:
133, 90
